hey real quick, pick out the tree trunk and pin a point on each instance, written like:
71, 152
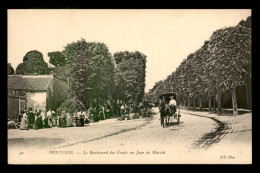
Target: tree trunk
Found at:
219, 103
215, 109
247, 100
200, 100
248, 95
193, 99
188, 103
209, 102
234, 101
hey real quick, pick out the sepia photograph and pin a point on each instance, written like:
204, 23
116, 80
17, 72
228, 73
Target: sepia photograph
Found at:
129, 86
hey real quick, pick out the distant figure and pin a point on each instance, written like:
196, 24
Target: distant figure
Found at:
24, 124
78, 122
88, 116
82, 118
38, 122
54, 118
62, 118
101, 113
31, 118
43, 117
122, 109
49, 116
68, 120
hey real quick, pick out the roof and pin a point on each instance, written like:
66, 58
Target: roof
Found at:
33, 83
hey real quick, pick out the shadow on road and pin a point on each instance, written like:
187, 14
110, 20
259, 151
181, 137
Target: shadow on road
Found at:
36, 142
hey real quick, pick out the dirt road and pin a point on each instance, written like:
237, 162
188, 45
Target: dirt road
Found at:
199, 138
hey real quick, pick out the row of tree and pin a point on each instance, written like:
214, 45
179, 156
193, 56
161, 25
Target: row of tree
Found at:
215, 72
92, 74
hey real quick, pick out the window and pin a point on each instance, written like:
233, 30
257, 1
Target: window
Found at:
9, 93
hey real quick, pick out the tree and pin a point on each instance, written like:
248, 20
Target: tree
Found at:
216, 70
88, 65
231, 52
130, 75
33, 63
57, 58
10, 69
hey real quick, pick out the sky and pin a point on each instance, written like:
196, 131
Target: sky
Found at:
166, 37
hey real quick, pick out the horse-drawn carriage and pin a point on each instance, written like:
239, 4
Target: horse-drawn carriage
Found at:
168, 108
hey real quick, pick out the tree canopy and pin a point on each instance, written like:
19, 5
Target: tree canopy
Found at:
33, 63
221, 65
10, 69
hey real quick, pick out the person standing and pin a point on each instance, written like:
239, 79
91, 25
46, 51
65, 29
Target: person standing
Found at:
43, 117
38, 122
101, 113
78, 119
46, 123
122, 110
82, 118
87, 116
49, 116
59, 119
63, 118
54, 118
24, 124
68, 120
31, 118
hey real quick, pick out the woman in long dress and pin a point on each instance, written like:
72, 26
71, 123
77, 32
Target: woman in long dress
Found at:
31, 119
24, 124
68, 120
43, 117
38, 122
54, 119
82, 117
49, 116
62, 119
100, 113
78, 123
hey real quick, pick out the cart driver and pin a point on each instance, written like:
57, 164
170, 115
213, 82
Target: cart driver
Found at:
172, 101
172, 104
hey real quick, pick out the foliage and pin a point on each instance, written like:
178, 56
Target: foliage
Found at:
10, 69
57, 58
218, 67
33, 63
89, 65
130, 75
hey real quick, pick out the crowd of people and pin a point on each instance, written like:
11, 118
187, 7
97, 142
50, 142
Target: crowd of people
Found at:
46, 119
38, 119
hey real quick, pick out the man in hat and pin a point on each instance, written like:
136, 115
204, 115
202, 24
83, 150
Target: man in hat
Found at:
172, 104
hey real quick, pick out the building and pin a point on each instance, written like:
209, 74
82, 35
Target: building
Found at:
28, 92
